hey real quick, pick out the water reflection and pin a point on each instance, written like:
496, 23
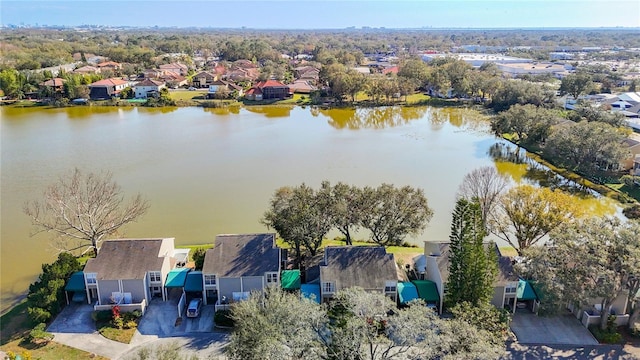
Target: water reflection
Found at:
270, 111
159, 110
224, 111
370, 118
514, 162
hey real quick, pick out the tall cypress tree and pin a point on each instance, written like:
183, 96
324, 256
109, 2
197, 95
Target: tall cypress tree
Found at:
472, 264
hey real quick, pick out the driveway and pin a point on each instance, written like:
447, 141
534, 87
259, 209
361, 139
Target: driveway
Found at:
158, 327
555, 330
74, 327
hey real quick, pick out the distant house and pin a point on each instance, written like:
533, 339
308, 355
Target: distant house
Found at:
307, 73
368, 267
438, 261
239, 264
178, 68
302, 87
633, 147
242, 74
203, 79
88, 69
56, 84
148, 88
270, 89
109, 65
390, 70
230, 87
129, 271
152, 73
105, 89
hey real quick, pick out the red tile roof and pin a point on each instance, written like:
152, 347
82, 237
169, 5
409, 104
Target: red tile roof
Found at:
53, 82
109, 82
108, 63
269, 83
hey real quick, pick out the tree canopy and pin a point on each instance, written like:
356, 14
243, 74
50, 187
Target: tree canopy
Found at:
355, 325
82, 209
525, 214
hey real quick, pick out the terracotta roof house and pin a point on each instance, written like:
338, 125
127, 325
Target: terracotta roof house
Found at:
56, 84
226, 85
390, 70
302, 87
270, 89
368, 267
505, 284
309, 73
243, 64
241, 74
178, 68
109, 65
88, 69
203, 79
129, 271
106, 88
239, 264
147, 88
152, 73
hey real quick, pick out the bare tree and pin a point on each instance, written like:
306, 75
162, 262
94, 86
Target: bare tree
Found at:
485, 185
81, 209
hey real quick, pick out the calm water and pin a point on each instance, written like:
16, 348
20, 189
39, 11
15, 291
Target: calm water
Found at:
212, 171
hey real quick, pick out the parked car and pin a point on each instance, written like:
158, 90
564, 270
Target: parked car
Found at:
193, 310
192, 89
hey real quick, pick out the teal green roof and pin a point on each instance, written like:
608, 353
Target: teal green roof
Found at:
525, 291
427, 290
290, 279
76, 282
407, 292
193, 281
176, 278
310, 291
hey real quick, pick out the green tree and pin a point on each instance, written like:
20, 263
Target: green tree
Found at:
10, 83
512, 92
46, 296
473, 265
588, 146
583, 261
277, 326
575, 84
198, 257
525, 214
529, 123
391, 213
347, 209
487, 317
301, 216
415, 70
82, 209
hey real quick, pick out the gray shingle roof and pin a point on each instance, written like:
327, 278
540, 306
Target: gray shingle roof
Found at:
242, 255
367, 267
126, 259
505, 268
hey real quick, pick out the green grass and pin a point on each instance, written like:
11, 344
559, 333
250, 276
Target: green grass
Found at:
187, 95
120, 335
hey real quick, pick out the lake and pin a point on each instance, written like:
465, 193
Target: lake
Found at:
213, 171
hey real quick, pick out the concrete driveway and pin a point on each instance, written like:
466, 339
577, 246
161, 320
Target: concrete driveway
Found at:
158, 327
563, 329
74, 327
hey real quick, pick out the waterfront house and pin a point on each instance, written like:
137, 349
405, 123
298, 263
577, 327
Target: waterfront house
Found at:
148, 88
269, 89
239, 264
368, 267
438, 261
105, 89
203, 79
129, 272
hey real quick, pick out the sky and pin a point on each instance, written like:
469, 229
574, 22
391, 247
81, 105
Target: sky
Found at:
327, 14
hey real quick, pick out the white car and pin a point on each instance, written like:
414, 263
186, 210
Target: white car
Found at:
193, 310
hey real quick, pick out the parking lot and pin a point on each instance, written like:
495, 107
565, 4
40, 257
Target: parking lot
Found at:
562, 329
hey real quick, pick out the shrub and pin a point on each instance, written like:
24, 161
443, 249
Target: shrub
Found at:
223, 318
39, 335
118, 323
131, 324
632, 212
198, 257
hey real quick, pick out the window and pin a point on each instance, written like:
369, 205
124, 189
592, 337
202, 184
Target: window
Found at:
154, 276
328, 287
210, 280
272, 278
390, 286
91, 278
511, 289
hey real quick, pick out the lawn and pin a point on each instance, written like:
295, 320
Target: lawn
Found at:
186, 95
14, 329
120, 335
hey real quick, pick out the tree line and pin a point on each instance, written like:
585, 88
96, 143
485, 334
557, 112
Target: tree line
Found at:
302, 216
